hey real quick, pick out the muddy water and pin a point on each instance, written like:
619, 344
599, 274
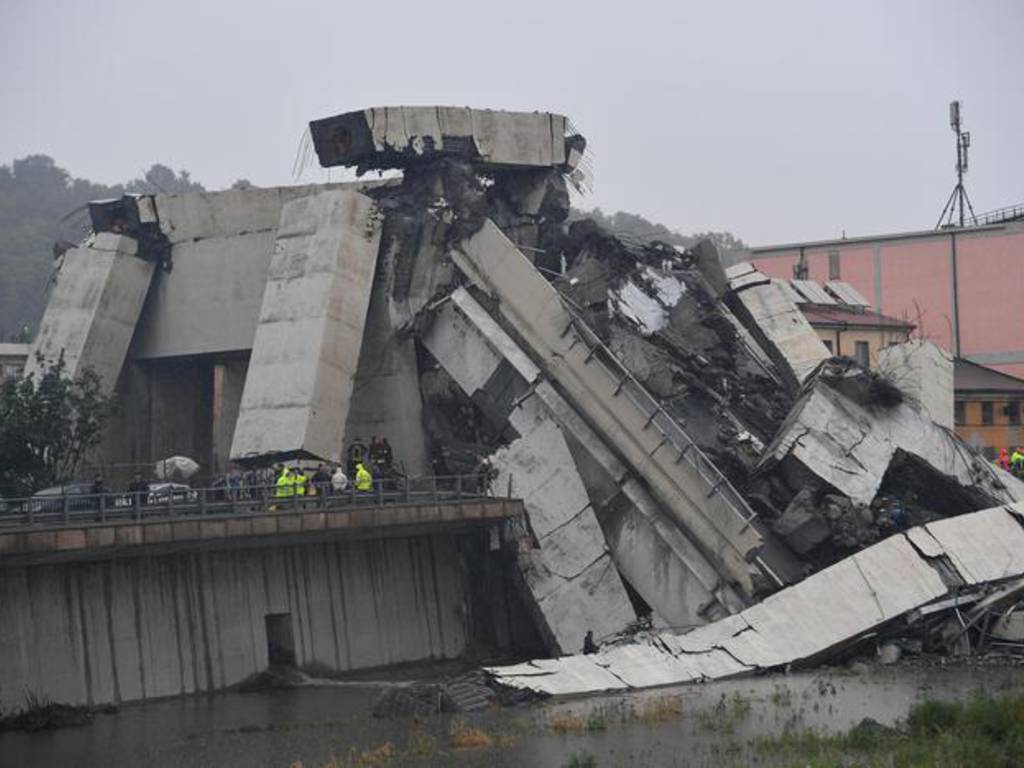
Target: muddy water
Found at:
703, 724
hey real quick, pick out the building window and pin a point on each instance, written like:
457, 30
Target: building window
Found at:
828, 345
1013, 413
959, 417
986, 414
860, 353
833, 265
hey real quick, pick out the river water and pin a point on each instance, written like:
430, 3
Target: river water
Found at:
695, 725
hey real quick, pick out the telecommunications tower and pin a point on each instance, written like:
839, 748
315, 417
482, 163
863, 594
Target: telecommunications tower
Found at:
955, 204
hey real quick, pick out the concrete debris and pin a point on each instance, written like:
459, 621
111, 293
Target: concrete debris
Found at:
850, 445
776, 323
684, 588
832, 609
570, 575
924, 373
684, 443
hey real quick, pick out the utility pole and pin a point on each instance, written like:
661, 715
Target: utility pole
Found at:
957, 200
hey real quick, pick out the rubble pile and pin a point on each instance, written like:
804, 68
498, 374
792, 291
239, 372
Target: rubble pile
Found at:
686, 448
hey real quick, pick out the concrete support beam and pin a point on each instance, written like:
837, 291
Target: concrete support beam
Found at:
701, 501
95, 305
299, 385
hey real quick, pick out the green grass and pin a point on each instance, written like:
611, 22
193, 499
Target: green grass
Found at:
985, 732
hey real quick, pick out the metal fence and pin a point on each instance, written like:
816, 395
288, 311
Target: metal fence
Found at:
181, 501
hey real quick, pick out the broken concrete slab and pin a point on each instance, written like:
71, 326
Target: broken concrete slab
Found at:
776, 323
393, 137
924, 373
299, 384
850, 446
826, 611
571, 576
93, 309
681, 477
682, 588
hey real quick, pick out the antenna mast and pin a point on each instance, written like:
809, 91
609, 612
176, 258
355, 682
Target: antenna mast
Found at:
955, 204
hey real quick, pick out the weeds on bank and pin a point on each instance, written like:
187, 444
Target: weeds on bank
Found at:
660, 710
567, 722
726, 714
650, 712
982, 733
420, 745
581, 760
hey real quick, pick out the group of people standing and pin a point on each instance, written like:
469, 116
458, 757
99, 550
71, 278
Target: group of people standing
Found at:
363, 463
1012, 462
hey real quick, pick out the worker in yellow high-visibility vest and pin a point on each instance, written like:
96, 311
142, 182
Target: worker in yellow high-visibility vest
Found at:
364, 480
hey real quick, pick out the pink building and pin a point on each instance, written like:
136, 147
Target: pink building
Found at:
962, 288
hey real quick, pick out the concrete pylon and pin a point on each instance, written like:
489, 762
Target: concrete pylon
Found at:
298, 388
93, 309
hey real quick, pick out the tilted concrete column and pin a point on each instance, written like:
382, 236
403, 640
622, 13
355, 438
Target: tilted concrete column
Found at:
680, 477
299, 384
651, 552
571, 580
93, 309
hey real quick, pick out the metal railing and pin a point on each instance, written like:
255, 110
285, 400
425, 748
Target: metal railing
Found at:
59, 510
1009, 213
655, 415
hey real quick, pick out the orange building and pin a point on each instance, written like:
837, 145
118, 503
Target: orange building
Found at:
987, 409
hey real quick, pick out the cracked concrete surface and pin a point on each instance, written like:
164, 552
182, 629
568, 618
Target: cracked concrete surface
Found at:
850, 446
804, 622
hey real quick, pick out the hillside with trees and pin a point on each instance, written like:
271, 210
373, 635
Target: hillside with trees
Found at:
41, 204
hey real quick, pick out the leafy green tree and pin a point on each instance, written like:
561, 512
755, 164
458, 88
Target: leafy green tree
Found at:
48, 426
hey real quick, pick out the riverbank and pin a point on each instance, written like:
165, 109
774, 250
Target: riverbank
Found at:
729, 722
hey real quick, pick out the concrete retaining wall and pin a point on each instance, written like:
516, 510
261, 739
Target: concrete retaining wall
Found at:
122, 630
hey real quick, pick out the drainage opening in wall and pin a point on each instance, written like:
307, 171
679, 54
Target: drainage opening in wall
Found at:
280, 640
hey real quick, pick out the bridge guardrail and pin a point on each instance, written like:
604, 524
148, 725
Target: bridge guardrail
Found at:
71, 509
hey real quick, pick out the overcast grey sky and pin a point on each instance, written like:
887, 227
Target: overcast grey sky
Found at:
775, 120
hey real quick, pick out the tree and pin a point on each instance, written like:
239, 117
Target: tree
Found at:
48, 427
40, 204
729, 246
160, 179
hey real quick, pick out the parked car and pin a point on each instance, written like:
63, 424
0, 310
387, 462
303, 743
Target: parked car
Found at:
178, 492
79, 497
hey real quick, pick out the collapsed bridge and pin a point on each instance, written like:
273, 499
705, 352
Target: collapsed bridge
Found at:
677, 432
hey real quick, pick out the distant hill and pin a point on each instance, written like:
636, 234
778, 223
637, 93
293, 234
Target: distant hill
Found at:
40, 205
729, 246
